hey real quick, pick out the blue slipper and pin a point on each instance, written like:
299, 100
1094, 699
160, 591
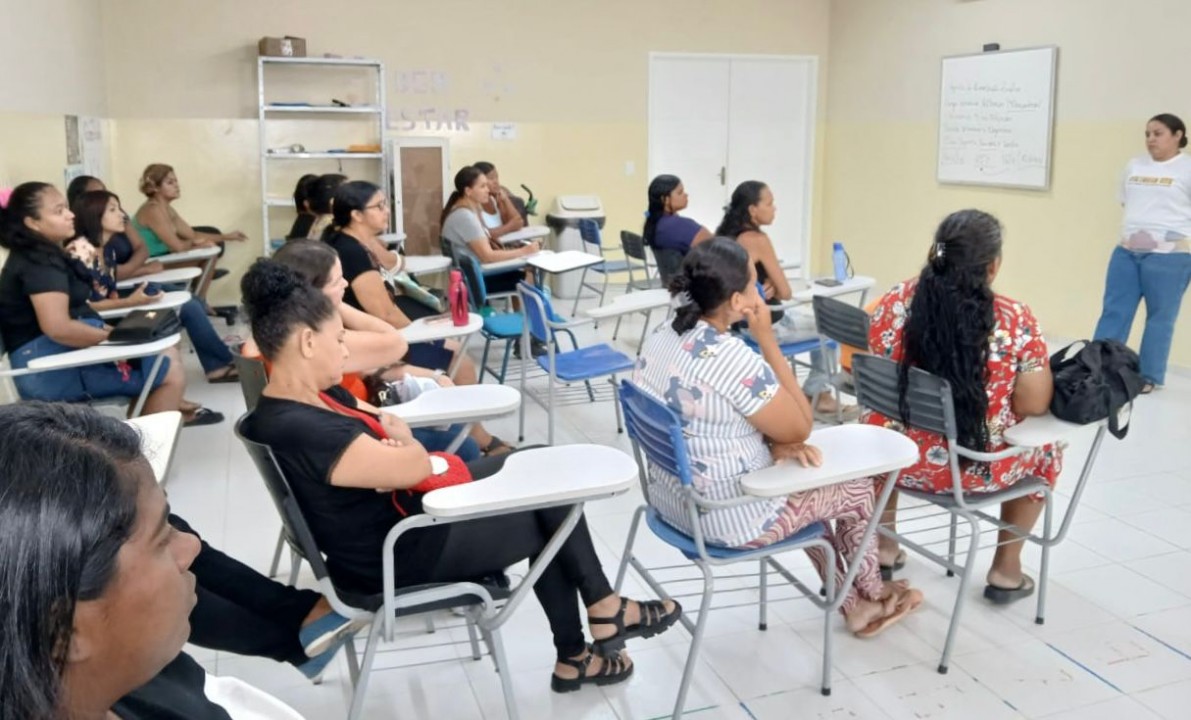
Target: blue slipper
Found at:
314, 667
322, 633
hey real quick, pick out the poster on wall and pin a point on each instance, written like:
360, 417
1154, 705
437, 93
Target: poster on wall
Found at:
94, 152
74, 147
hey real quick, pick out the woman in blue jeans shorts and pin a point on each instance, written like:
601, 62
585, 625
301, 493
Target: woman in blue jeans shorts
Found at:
44, 311
106, 248
1153, 259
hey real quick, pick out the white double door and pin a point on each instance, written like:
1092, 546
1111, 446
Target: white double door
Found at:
716, 121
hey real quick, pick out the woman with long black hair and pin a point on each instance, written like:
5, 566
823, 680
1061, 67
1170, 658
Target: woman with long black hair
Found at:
948, 321
669, 234
751, 209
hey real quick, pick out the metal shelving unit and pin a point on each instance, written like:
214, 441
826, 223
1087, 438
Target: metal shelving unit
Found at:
274, 197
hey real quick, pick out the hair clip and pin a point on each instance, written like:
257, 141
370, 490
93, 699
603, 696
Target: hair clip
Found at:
681, 299
940, 251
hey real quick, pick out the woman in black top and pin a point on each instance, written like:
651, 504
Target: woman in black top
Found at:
44, 310
352, 471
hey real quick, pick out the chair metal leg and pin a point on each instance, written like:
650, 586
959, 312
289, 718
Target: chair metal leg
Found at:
295, 566
428, 620
277, 554
644, 331
521, 409
357, 707
628, 547
616, 405
473, 639
504, 363
696, 639
969, 562
484, 358
830, 585
951, 545
1044, 568
506, 680
616, 330
590, 392
549, 411
579, 292
763, 588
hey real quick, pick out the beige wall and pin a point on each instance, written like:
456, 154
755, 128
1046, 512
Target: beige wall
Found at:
572, 75
51, 57
882, 199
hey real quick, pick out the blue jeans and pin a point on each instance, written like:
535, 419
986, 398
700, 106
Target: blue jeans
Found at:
436, 439
89, 382
212, 352
1160, 278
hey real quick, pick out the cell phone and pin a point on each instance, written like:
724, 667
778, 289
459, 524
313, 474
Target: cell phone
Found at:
828, 282
152, 289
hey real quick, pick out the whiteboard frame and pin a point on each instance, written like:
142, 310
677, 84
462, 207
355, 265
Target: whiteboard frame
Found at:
1050, 121
812, 131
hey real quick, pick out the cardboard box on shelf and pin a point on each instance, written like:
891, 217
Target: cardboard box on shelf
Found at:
287, 46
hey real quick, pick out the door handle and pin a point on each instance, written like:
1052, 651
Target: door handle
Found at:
723, 175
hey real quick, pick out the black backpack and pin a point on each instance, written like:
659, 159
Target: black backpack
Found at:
1096, 380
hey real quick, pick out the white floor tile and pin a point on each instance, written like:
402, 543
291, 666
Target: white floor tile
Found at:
1170, 702
918, 692
1125, 657
1034, 679
1122, 591
1115, 709
846, 701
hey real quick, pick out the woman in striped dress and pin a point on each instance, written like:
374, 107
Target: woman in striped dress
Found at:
742, 412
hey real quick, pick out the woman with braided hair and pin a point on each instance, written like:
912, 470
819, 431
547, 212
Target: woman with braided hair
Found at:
949, 322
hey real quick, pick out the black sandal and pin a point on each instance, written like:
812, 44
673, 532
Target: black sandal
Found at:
496, 446
898, 563
614, 670
203, 416
1004, 596
654, 620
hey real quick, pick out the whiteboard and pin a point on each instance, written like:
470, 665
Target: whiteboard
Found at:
996, 118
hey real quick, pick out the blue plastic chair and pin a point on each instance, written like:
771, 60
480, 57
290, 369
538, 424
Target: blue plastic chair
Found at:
563, 368
589, 231
502, 326
660, 448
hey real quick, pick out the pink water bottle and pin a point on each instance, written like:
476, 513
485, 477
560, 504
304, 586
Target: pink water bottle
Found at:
457, 297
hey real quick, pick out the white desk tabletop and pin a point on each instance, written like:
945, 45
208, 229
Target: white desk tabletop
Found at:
172, 275
172, 299
393, 238
534, 477
629, 303
849, 451
441, 329
505, 265
859, 283
531, 232
196, 254
560, 262
1043, 430
425, 264
159, 437
462, 403
103, 353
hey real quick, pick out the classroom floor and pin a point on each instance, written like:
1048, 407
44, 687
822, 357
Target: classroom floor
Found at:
1117, 642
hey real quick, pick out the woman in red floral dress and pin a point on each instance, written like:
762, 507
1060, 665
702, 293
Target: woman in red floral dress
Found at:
949, 322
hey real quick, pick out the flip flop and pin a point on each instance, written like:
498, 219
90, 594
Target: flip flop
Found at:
907, 603
229, 375
1005, 596
203, 416
497, 447
898, 563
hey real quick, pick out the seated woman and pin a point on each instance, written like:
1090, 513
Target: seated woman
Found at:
44, 310
375, 348
163, 229
498, 213
306, 216
669, 234
344, 463
461, 226
742, 413
101, 635
950, 322
108, 253
320, 195
82, 184
750, 209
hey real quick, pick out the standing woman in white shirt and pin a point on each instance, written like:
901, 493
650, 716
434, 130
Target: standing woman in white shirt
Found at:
1153, 259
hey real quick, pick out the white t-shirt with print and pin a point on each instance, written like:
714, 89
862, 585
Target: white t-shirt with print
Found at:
1157, 200
713, 382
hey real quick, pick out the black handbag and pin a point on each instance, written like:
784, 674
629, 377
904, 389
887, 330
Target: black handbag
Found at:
1096, 380
142, 326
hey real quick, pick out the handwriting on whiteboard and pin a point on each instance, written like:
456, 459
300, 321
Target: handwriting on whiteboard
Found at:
980, 126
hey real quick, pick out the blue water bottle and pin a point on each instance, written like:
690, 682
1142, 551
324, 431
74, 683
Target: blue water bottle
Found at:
840, 259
